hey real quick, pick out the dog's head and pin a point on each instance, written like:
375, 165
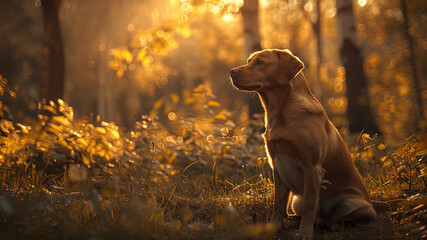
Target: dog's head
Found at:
266, 69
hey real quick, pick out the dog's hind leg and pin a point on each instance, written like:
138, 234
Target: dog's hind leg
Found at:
363, 214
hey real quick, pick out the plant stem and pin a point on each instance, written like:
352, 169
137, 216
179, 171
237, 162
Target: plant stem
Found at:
394, 164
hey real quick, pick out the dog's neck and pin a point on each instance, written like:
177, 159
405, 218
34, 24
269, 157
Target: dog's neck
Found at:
292, 98
276, 98
300, 85
280, 95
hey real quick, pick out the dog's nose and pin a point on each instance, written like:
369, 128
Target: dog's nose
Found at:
233, 72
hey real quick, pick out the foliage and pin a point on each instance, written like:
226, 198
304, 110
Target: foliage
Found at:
405, 167
191, 169
160, 39
189, 177
401, 179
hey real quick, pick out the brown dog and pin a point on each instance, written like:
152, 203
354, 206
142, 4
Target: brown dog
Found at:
305, 150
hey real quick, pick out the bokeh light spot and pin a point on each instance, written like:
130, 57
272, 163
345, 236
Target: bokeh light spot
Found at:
37, 3
172, 116
131, 27
102, 47
164, 81
361, 3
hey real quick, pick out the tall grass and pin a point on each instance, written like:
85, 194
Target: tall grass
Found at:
190, 176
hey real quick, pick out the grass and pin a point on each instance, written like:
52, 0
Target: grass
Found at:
190, 178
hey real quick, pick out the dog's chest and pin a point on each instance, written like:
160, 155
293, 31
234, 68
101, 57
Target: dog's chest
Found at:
276, 126
289, 172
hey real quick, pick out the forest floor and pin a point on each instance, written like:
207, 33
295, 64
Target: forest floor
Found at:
178, 209
198, 177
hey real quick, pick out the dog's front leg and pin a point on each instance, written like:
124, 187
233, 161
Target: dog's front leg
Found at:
281, 200
310, 201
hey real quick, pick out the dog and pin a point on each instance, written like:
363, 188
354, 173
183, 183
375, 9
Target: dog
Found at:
306, 152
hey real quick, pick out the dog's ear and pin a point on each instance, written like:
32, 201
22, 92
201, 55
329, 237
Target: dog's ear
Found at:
289, 66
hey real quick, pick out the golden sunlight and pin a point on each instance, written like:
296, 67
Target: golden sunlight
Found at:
120, 118
362, 3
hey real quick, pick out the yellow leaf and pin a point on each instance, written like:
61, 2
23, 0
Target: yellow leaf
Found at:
424, 172
100, 130
220, 117
115, 134
230, 124
82, 141
158, 104
201, 88
127, 55
189, 100
223, 115
401, 168
54, 128
421, 152
381, 147
114, 64
49, 108
61, 120
24, 129
62, 142
174, 97
62, 103
86, 160
212, 103
141, 55
119, 73
366, 136
146, 62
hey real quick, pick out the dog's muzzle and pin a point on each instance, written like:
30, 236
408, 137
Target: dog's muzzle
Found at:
233, 73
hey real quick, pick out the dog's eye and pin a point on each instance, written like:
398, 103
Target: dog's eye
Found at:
259, 62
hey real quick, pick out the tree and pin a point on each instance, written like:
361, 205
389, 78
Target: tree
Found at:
359, 113
417, 87
316, 26
52, 85
252, 43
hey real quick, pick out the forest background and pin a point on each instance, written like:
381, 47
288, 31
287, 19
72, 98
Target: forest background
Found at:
147, 121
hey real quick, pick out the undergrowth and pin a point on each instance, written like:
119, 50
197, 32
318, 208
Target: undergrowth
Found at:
196, 175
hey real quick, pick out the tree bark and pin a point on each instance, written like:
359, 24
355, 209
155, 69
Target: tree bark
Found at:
52, 86
316, 27
318, 33
416, 83
106, 103
252, 41
360, 117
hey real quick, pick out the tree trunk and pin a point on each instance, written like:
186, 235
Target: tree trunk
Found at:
316, 27
106, 106
317, 32
416, 83
360, 117
252, 43
52, 86
105, 100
